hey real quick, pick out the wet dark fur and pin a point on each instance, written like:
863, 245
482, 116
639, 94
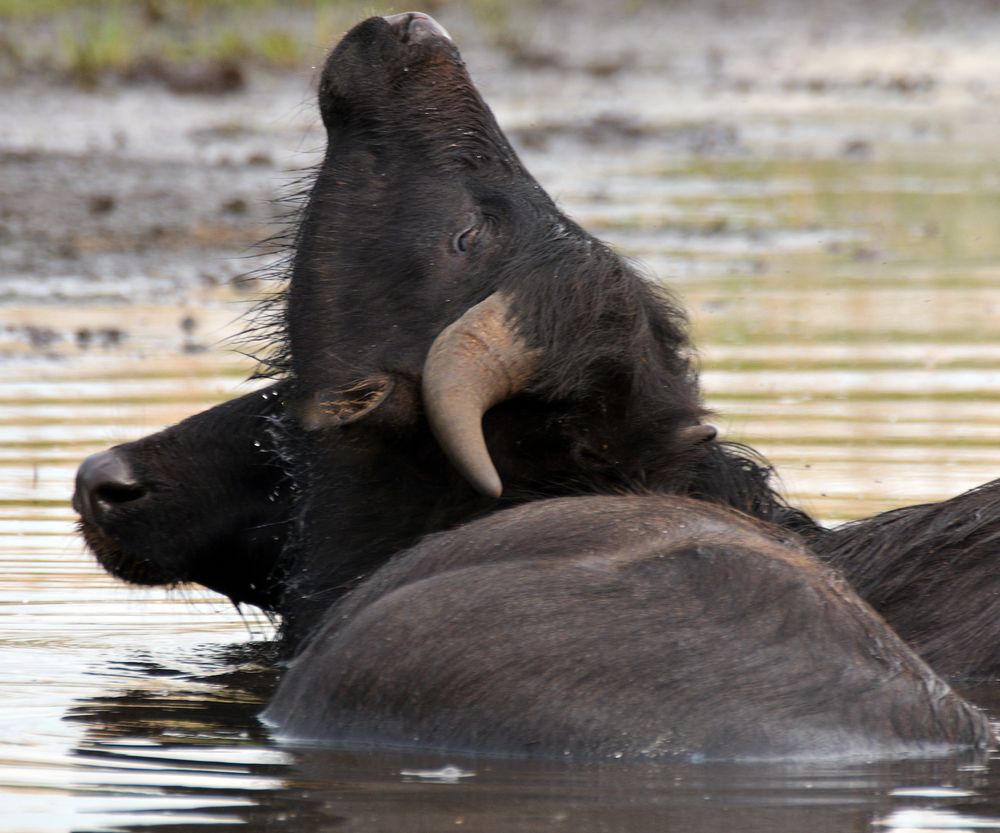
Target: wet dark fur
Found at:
179, 531
214, 508
933, 572
637, 627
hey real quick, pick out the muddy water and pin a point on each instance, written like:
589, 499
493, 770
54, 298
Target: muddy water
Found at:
835, 240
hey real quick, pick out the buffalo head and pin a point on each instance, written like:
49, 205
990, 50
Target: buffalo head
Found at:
434, 279
204, 501
452, 334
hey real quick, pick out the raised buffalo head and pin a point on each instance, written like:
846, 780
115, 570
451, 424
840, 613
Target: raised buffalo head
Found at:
435, 278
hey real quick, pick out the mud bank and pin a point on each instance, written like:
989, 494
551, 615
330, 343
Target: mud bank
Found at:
137, 187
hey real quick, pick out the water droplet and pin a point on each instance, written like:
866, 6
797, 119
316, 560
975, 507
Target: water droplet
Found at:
447, 774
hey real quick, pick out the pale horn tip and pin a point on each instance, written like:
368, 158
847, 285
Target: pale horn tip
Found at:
488, 483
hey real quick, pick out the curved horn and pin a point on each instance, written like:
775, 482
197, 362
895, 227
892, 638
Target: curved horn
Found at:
474, 364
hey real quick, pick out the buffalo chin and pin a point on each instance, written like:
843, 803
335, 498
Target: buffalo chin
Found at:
120, 564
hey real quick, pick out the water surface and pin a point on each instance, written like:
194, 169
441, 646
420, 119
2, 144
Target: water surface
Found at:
837, 248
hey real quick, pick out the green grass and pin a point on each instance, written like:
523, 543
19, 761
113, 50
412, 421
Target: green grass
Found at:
87, 41
159, 10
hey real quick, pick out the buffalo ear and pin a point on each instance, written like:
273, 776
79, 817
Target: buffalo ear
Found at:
334, 408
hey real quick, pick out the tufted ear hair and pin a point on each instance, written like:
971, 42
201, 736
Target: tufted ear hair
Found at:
335, 408
697, 434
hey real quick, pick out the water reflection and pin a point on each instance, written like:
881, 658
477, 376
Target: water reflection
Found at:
176, 739
178, 749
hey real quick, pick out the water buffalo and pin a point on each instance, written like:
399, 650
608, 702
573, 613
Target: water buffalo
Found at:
456, 344
909, 564
636, 627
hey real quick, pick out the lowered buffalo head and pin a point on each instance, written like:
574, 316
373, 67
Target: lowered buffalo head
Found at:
435, 279
203, 501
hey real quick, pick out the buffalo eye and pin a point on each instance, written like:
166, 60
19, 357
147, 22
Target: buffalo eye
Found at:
464, 240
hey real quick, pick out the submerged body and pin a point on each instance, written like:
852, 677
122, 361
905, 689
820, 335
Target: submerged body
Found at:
638, 627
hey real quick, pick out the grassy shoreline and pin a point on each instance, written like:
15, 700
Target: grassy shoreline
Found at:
191, 45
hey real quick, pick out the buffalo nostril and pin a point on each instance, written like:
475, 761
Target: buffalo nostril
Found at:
417, 26
118, 492
104, 480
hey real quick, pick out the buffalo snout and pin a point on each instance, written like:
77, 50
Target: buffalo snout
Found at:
104, 482
414, 27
